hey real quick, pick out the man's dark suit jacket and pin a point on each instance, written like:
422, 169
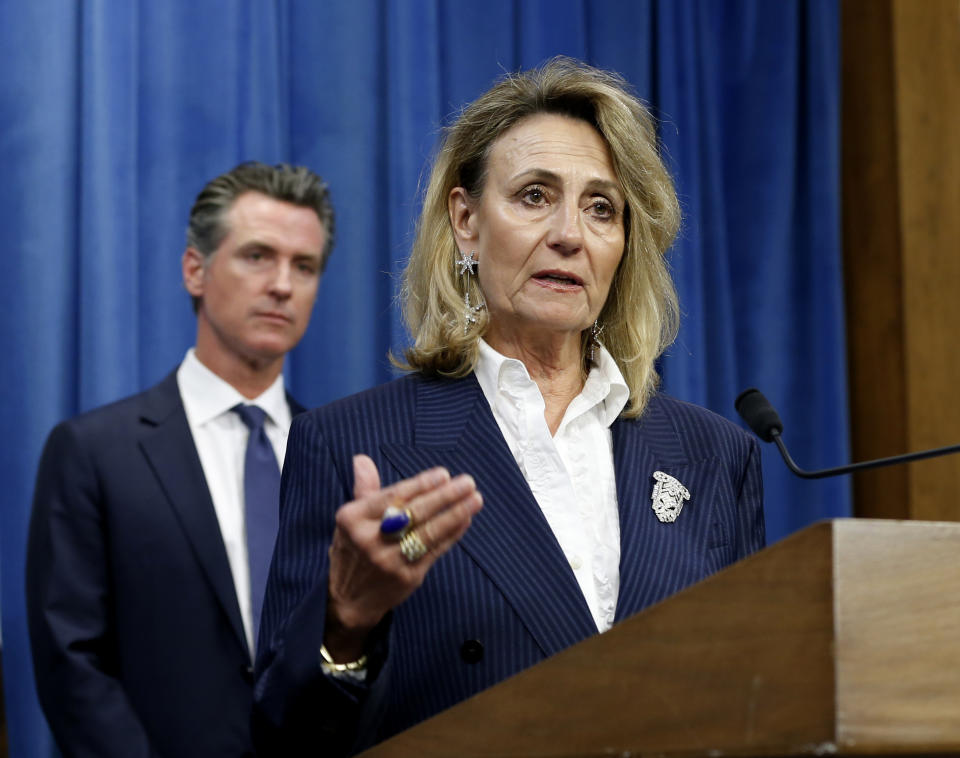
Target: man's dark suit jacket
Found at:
138, 644
504, 598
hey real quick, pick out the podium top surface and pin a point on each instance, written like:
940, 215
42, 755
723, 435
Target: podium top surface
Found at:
843, 638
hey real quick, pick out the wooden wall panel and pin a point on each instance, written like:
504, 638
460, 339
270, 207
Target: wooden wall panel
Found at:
872, 261
901, 208
927, 57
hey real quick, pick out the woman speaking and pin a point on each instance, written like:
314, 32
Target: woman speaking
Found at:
524, 486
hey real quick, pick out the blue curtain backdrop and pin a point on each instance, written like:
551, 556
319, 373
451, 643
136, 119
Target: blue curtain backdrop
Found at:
115, 112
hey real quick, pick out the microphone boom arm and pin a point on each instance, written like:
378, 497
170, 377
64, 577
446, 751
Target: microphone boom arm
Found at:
763, 419
862, 466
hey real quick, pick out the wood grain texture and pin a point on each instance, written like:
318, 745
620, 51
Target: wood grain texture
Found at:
898, 635
841, 639
901, 234
927, 56
872, 256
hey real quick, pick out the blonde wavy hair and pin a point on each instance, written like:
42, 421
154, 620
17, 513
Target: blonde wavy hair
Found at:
641, 314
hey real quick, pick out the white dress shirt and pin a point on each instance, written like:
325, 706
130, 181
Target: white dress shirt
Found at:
571, 473
220, 437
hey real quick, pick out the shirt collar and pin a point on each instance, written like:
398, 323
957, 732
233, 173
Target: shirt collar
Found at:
206, 396
489, 369
605, 385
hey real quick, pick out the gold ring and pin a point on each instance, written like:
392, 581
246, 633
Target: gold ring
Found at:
412, 546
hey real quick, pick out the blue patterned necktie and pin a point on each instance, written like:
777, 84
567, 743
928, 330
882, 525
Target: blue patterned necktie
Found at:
261, 496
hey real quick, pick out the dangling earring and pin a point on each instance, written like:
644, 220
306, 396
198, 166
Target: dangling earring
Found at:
466, 264
595, 331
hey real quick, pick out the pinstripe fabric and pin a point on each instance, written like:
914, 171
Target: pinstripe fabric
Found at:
507, 584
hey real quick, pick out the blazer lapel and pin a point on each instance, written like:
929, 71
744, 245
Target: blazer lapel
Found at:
658, 559
295, 408
168, 445
510, 539
634, 464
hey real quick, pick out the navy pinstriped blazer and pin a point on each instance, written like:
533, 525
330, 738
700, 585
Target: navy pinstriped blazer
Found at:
506, 585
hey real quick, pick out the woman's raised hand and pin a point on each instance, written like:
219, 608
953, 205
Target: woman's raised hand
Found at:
372, 572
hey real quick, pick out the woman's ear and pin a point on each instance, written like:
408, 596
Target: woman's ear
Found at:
462, 216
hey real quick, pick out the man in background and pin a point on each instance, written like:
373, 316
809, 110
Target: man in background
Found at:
154, 517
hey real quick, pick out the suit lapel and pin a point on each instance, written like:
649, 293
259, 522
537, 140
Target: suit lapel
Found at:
168, 445
510, 539
295, 408
634, 463
658, 559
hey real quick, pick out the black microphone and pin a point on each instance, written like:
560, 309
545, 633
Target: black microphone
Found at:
760, 416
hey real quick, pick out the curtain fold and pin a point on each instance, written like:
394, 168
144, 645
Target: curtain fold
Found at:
116, 113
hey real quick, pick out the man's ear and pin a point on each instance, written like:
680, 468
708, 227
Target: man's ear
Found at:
463, 219
192, 264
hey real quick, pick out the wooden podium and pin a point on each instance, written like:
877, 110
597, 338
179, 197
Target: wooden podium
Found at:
843, 638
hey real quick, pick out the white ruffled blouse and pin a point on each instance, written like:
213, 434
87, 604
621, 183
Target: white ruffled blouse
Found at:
571, 473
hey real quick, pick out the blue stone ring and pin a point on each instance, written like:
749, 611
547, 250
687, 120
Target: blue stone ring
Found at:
395, 522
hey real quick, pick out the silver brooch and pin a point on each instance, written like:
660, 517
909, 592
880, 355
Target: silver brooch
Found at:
668, 496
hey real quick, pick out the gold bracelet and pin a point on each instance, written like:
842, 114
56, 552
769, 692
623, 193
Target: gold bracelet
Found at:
330, 666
